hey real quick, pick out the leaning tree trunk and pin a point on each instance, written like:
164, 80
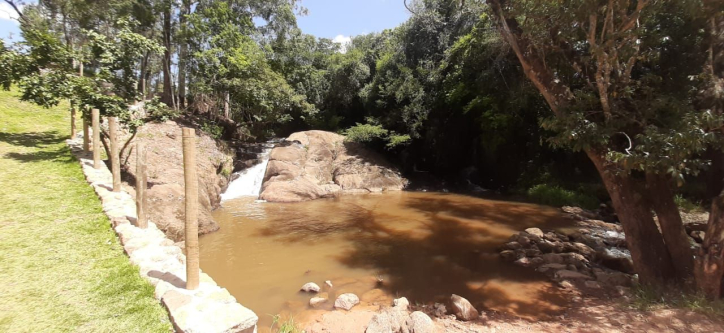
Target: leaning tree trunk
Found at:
672, 227
709, 269
650, 256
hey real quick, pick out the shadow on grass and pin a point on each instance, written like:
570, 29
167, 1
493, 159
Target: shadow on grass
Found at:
32, 139
41, 141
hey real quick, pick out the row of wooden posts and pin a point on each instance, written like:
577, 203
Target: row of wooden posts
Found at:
190, 180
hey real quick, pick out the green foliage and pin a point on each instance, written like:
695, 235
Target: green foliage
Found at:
554, 195
365, 133
287, 326
213, 129
687, 205
158, 111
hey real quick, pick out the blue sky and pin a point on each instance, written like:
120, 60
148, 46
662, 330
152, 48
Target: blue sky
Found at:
8, 26
341, 19
335, 19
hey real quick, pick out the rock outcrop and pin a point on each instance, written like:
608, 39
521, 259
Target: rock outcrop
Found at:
593, 255
165, 172
316, 164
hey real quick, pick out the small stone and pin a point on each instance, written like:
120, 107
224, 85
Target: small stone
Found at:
623, 291
592, 285
346, 301
401, 303
317, 301
565, 284
530, 262
310, 287
508, 255
328, 283
463, 309
513, 246
439, 310
535, 232
613, 278
380, 323
546, 246
523, 240
420, 323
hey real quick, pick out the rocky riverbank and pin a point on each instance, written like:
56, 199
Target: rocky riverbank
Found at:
166, 180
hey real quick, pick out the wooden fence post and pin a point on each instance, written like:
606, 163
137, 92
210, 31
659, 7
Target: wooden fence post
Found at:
115, 159
192, 202
86, 135
73, 130
96, 138
142, 220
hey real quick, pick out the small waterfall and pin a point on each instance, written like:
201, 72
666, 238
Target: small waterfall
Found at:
248, 181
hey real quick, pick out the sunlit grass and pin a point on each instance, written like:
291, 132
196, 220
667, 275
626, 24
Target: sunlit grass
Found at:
61, 266
649, 298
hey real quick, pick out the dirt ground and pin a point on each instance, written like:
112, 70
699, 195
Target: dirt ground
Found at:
584, 314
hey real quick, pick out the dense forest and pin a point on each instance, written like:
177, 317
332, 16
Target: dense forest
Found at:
502, 94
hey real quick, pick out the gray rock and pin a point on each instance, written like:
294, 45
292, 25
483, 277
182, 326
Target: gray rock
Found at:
535, 232
317, 301
571, 275
513, 246
613, 278
508, 255
530, 262
523, 240
380, 323
462, 308
592, 285
401, 303
439, 310
310, 287
346, 301
420, 323
546, 246
698, 236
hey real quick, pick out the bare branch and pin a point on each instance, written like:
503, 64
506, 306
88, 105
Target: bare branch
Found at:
17, 10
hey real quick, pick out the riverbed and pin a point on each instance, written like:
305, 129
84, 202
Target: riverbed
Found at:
421, 245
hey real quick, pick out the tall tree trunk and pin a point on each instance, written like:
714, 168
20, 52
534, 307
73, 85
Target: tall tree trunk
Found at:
167, 95
651, 258
709, 270
672, 227
183, 54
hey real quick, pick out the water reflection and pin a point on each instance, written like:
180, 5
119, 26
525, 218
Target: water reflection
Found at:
424, 246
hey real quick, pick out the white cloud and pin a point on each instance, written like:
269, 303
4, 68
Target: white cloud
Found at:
7, 13
343, 41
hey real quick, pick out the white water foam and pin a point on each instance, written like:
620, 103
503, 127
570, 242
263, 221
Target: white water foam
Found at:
248, 182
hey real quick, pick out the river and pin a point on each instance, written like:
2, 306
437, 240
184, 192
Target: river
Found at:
421, 245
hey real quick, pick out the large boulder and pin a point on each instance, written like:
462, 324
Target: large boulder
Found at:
463, 309
165, 170
315, 164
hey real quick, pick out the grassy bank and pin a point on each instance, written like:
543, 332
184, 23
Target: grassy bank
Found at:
61, 266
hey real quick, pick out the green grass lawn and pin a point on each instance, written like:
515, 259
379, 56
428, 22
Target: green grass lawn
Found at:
61, 266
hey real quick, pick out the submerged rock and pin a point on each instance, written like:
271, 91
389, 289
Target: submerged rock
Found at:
317, 301
310, 287
316, 164
346, 301
462, 308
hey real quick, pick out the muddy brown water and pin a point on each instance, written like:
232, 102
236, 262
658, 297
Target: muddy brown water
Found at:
422, 245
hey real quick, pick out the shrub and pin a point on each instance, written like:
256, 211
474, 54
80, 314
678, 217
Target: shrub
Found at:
554, 195
212, 129
158, 111
687, 205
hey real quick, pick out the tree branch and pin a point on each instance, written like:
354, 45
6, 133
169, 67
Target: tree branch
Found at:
12, 4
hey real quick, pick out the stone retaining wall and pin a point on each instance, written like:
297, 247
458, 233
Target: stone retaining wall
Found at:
209, 308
